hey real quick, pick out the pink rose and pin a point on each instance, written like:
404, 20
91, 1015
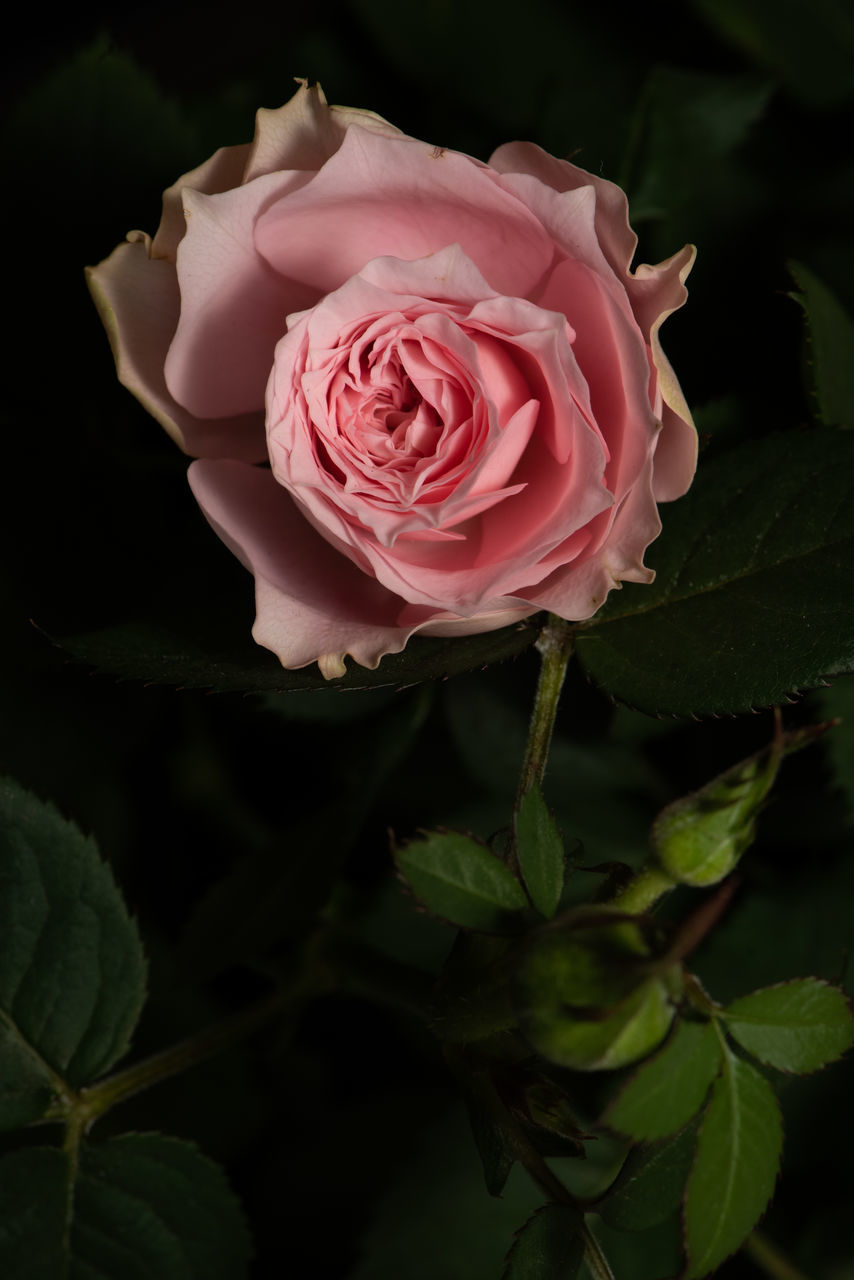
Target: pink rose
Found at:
426, 393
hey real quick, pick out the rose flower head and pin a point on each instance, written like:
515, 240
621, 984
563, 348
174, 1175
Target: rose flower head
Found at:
425, 394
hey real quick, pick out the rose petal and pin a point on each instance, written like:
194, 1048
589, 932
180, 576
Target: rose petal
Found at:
138, 301
662, 291
613, 233
397, 198
233, 307
221, 172
312, 604
305, 132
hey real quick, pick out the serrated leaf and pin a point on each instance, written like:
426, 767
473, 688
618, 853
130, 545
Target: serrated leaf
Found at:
752, 597
651, 1182
831, 347
460, 880
548, 1247
735, 1170
72, 972
144, 1207
663, 1094
795, 1026
539, 848
192, 655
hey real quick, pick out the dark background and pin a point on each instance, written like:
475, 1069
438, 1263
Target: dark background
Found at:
728, 123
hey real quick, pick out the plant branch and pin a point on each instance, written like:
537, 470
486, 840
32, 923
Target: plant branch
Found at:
99, 1098
555, 649
769, 1259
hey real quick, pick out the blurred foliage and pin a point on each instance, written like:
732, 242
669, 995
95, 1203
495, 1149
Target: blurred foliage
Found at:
723, 118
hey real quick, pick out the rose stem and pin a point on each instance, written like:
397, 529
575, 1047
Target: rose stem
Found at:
555, 648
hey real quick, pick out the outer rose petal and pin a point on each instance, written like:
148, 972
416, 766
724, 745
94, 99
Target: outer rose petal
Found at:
305, 132
613, 232
314, 605
233, 307
138, 301
676, 454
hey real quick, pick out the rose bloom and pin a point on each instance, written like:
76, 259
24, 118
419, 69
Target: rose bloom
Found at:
426, 394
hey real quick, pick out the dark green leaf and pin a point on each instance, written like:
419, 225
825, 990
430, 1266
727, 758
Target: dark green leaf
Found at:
491, 1139
812, 49
72, 973
539, 848
831, 347
738, 1157
145, 1207
433, 1221
548, 1247
796, 1026
752, 598
33, 1205
681, 172
190, 657
838, 701
663, 1094
460, 880
651, 1182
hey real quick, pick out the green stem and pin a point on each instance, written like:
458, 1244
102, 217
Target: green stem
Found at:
643, 890
95, 1101
555, 647
769, 1259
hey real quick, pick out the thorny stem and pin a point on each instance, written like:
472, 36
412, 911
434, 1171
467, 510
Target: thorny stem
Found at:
555, 648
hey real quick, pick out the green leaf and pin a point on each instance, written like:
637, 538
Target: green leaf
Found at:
72, 973
548, 1247
33, 1204
680, 170
186, 654
144, 1207
460, 880
796, 1026
831, 343
539, 848
651, 1182
738, 1158
663, 1094
433, 1221
752, 597
811, 49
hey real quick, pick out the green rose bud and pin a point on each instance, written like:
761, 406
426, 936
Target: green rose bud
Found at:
586, 998
699, 839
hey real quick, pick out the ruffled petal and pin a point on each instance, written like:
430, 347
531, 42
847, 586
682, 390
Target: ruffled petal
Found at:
221, 172
305, 132
137, 298
656, 293
613, 231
